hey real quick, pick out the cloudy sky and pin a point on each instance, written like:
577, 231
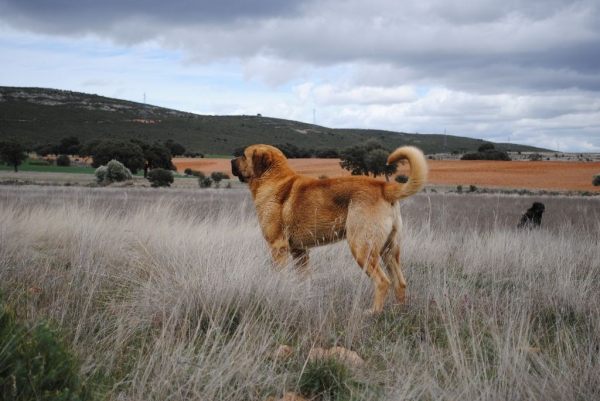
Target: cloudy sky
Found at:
524, 71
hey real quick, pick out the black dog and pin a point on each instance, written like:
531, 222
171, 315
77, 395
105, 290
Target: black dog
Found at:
533, 216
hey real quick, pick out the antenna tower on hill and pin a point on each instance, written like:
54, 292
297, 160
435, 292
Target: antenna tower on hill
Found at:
144, 109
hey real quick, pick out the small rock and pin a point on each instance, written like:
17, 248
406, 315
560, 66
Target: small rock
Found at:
341, 354
283, 352
293, 397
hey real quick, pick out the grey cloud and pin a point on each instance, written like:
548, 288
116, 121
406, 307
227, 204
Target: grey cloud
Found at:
75, 16
483, 46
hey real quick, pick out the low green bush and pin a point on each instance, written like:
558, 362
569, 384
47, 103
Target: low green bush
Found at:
327, 379
63, 160
35, 364
205, 182
596, 180
114, 171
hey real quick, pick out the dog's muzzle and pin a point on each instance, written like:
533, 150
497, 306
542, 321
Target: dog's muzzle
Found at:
235, 171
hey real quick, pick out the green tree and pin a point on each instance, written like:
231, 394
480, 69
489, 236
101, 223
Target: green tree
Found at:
327, 153
12, 153
156, 156
596, 180
68, 146
359, 159
487, 151
87, 149
485, 147
175, 148
375, 161
126, 152
44, 150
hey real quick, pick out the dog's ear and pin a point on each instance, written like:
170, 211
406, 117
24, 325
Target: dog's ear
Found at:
261, 161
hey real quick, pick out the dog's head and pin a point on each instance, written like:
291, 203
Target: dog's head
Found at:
255, 161
538, 207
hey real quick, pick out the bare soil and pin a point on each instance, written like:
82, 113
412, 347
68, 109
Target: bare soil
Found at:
547, 175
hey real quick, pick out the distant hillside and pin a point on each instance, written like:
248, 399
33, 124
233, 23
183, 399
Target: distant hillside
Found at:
41, 116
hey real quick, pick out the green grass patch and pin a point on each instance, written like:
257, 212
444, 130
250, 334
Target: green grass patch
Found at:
34, 165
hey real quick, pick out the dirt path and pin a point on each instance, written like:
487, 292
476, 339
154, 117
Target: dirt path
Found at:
549, 175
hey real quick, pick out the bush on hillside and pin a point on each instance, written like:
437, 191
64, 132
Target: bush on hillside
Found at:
596, 180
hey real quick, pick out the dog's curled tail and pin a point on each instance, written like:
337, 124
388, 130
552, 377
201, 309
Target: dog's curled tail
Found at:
418, 172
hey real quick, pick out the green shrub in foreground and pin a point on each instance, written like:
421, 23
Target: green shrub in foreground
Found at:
596, 180
35, 364
328, 379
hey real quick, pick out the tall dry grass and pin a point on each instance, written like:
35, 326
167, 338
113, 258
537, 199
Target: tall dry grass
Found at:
169, 294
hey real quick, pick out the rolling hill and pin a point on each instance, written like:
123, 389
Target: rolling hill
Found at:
44, 116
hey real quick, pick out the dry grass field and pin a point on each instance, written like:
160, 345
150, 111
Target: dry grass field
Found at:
170, 295
546, 175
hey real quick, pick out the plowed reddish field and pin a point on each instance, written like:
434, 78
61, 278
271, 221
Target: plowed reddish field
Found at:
549, 175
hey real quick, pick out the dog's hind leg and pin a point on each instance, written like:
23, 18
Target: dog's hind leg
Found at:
367, 256
393, 264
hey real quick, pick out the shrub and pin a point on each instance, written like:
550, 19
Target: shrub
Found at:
114, 171
596, 180
402, 178
535, 157
188, 171
205, 182
472, 188
160, 177
327, 379
322, 177
217, 177
459, 189
63, 160
35, 364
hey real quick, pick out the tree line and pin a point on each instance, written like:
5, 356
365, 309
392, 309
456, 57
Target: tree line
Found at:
135, 154
368, 158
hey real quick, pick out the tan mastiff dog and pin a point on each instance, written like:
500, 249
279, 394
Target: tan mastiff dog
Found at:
297, 212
